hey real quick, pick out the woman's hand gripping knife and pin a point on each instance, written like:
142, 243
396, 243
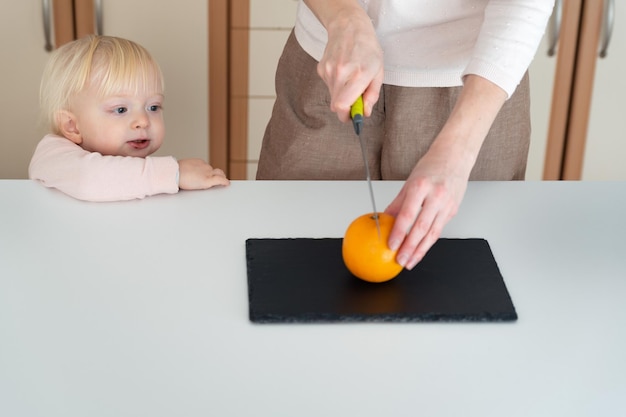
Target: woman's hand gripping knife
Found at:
352, 64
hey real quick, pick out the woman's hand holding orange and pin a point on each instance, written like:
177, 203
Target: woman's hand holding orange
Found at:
433, 192
429, 198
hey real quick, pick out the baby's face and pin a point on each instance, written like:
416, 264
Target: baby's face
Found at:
127, 123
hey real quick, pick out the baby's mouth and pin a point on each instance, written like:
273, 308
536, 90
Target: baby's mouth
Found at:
139, 143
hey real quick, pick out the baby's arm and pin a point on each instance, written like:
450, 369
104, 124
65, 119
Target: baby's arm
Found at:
59, 163
195, 174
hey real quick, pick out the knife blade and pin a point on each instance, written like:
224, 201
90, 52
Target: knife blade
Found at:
356, 113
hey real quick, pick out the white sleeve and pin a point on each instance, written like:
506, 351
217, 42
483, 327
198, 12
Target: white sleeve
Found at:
508, 40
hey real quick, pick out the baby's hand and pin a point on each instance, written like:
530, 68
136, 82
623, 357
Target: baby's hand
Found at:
195, 174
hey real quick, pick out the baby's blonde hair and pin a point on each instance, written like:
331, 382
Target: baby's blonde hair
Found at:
114, 64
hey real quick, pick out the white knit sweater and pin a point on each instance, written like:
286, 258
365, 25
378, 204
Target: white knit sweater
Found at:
435, 43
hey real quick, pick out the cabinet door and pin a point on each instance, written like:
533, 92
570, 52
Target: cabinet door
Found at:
605, 149
541, 73
257, 31
270, 25
176, 34
23, 59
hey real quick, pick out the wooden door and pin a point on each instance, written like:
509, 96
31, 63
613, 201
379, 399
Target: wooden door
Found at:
228, 83
246, 40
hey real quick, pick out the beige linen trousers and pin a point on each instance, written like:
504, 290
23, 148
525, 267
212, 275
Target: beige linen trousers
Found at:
304, 140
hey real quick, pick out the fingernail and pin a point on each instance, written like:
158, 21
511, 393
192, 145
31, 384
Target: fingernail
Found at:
394, 244
412, 264
402, 259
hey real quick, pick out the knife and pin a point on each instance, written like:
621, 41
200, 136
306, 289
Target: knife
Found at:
356, 113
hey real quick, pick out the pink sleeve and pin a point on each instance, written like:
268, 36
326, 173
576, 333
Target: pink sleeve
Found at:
91, 176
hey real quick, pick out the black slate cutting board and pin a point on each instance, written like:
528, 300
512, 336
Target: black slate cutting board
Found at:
305, 280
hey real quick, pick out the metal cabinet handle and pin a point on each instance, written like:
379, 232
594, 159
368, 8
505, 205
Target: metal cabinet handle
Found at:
607, 27
97, 5
47, 26
554, 27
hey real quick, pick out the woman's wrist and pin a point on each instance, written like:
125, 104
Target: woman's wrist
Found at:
469, 123
335, 13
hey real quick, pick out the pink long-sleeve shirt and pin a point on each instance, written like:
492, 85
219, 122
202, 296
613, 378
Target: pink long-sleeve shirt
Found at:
60, 163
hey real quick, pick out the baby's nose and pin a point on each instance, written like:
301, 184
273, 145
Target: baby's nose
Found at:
141, 121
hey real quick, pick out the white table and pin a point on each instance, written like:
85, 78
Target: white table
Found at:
140, 308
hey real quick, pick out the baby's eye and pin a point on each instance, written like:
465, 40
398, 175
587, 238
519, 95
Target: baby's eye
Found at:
154, 107
120, 110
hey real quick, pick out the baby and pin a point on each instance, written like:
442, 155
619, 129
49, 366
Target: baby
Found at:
102, 98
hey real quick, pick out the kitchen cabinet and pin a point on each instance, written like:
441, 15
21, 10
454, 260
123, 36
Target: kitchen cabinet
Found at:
541, 73
176, 33
605, 149
245, 45
268, 34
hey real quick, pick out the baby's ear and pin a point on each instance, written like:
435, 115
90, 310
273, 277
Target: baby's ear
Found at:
66, 121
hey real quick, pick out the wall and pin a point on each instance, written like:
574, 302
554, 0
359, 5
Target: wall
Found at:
23, 59
176, 33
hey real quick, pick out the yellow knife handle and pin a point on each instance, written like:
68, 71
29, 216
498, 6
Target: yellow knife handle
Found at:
357, 108
356, 113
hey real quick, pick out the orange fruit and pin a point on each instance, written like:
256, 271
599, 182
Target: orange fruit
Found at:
365, 253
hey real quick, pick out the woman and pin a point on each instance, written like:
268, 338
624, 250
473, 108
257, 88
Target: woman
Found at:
446, 98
